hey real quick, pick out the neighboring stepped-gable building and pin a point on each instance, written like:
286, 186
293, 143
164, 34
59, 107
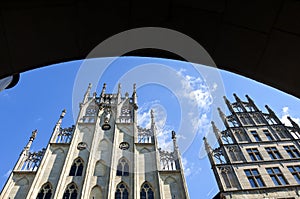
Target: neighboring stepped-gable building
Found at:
258, 156
104, 155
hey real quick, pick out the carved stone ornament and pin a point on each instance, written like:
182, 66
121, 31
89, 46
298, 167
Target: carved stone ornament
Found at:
124, 145
81, 146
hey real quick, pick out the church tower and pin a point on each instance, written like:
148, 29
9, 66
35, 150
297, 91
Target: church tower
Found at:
258, 156
104, 155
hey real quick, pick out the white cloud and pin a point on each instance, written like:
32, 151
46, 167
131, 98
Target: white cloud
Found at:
285, 114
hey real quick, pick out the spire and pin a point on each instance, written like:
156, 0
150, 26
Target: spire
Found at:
32, 137
272, 114
119, 89
174, 141
152, 117
87, 93
207, 146
103, 89
251, 102
134, 97
57, 127
228, 104
295, 125
237, 98
223, 117
62, 115
216, 130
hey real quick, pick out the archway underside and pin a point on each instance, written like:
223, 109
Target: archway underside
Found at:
256, 39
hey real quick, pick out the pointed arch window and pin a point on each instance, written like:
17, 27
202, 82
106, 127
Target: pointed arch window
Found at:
45, 192
77, 167
71, 192
146, 191
121, 191
123, 167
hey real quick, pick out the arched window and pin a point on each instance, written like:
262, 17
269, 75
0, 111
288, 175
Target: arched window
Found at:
123, 167
121, 191
77, 167
45, 192
71, 191
146, 191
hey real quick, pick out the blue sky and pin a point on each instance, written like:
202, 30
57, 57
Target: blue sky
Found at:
183, 96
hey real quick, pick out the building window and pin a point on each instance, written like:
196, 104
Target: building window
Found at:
77, 167
257, 118
245, 119
146, 191
241, 136
292, 151
256, 136
295, 170
71, 192
45, 192
273, 153
121, 191
123, 167
277, 176
268, 135
254, 178
254, 154
235, 153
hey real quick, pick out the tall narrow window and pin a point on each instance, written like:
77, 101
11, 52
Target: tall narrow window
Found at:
71, 192
241, 136
292, 151
254, 178
121, 191
273, 153
277, 176
45, 192
254, 154
146, 191
123, 167
256, 136
77, 167
268, 135
295, 170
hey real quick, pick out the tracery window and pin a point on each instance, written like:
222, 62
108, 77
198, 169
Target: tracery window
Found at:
45, 192
71, 192
146, 191
121, 191
77, 167
123, 167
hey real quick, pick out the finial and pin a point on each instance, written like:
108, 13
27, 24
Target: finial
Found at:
119, 88
173, 135
103, 89
33, 135
249, 99
152, 116
63, 113
222, 115
215, 129
134, 87
236, 97
295, 125
90, 86
269, 109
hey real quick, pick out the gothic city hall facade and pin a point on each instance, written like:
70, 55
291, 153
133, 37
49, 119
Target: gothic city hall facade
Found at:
258, 156
104, 155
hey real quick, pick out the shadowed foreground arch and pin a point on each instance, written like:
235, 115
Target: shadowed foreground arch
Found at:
257, 39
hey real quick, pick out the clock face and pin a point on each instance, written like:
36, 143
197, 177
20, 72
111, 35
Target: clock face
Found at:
124, 145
